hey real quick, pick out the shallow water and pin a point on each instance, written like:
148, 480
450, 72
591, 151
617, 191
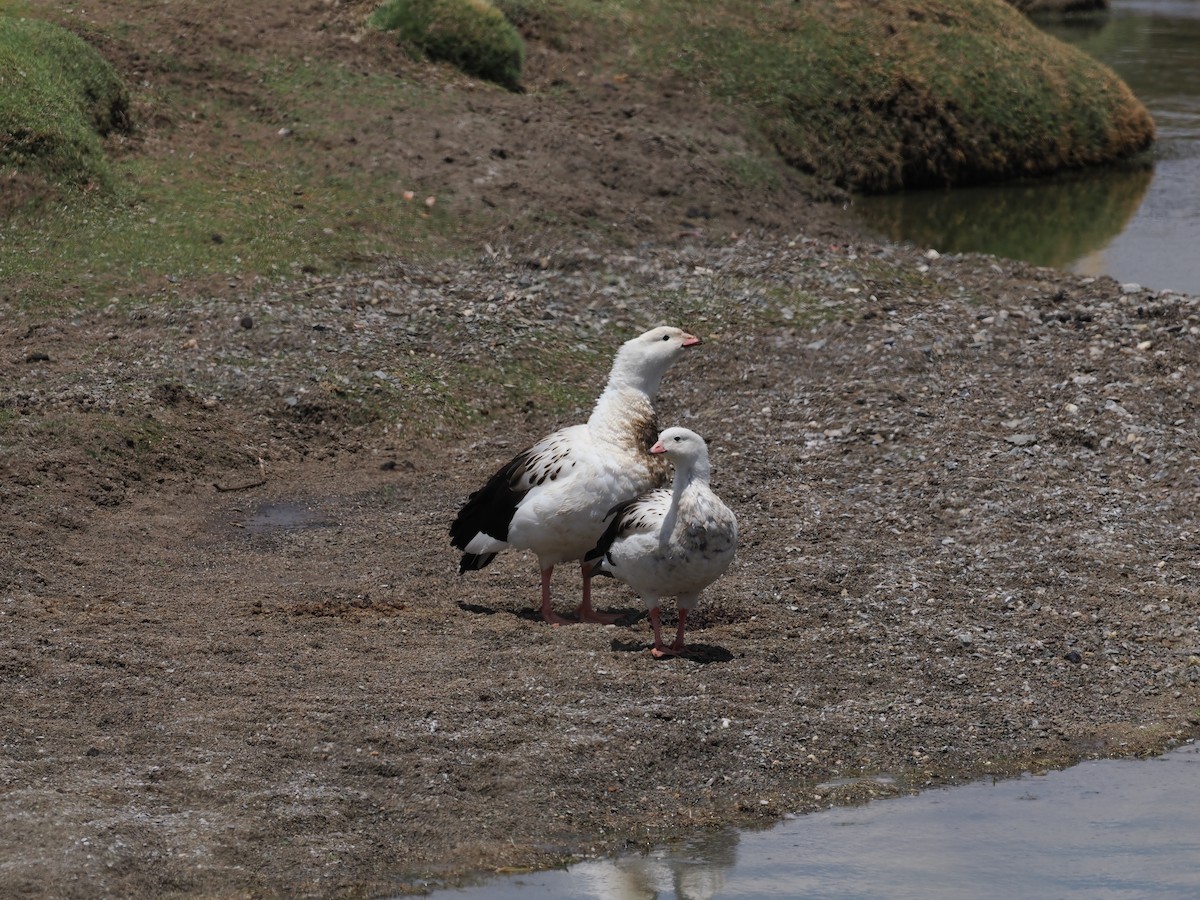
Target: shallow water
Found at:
1138, 224
269, 518
1101, 830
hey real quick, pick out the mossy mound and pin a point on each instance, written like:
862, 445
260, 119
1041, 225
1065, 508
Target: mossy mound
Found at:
471, 34
880, 95
58, 97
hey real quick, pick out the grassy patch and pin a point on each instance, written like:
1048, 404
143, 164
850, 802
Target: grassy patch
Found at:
471, 34
58, 97
259, 202
7, 418
882, 95
129, 441
866, 95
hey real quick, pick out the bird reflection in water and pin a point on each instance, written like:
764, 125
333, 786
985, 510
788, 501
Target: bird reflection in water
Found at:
691, 869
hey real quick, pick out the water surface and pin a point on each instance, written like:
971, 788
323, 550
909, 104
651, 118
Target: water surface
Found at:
1103, 830
1138, 224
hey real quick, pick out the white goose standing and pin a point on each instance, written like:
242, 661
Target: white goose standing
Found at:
552, 498
670, 542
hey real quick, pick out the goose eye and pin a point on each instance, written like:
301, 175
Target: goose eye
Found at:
666, 337
678, 439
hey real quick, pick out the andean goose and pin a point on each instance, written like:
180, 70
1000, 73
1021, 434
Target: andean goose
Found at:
552, 498
670, 542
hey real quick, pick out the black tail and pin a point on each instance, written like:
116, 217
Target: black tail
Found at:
472, 562
488, 510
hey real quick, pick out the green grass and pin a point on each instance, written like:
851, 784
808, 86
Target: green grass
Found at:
58, 97
260, 205
180, 227
7, 418
471, 34
128, 440
883, 95
867, 96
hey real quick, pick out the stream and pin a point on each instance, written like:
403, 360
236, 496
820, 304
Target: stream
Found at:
1137, 223
1124, 829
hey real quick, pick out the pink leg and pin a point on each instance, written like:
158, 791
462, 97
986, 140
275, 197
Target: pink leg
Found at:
548, 612
679, 645
585, 612
658, 650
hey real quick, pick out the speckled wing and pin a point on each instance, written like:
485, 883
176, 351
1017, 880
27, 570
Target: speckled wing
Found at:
644, 513
544, 461
481, 527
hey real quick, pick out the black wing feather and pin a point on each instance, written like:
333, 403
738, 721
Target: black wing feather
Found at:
490, 510
615, 518
474, 561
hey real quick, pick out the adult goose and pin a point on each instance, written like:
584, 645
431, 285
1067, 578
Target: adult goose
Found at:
552, 498
670, 542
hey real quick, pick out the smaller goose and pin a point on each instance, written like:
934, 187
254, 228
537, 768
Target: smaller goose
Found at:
670, 542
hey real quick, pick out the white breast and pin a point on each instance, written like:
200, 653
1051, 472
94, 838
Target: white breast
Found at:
683, 555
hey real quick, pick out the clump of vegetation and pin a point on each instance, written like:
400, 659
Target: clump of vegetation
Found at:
471, 34
881, 95
58, 98
886, 96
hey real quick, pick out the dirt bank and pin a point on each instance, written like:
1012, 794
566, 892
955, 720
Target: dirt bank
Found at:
238, 658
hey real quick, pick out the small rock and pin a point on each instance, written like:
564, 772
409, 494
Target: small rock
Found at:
246, 322
1022, 440
1073, 656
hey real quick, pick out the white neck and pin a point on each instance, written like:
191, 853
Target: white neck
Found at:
634, 370
688, 472
622, 417
625, 410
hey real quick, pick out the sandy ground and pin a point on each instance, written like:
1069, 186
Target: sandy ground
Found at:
237, 660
